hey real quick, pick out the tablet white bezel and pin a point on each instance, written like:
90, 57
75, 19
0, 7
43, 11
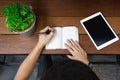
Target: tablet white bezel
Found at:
108, 42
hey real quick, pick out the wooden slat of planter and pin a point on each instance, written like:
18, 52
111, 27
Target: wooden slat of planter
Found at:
16, 44
61, 21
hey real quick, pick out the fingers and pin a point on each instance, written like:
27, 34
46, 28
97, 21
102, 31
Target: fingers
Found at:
77, 44
70, 57
45, 38
69, 48
72, 46
50, 35
81, 49
69, 45
47, 28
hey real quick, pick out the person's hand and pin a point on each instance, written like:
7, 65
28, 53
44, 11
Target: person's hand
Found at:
45, 38
77, 53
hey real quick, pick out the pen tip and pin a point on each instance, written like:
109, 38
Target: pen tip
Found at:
48, 31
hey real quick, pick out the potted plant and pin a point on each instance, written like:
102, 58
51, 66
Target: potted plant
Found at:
20, 18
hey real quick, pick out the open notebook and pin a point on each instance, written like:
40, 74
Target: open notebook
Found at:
61, 35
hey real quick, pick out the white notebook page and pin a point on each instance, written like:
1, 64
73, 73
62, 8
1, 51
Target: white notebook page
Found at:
69, 32
56, 41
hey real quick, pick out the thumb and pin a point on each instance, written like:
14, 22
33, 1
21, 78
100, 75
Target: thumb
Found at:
70, 57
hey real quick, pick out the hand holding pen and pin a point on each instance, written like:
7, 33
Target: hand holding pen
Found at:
46, 32
45, 35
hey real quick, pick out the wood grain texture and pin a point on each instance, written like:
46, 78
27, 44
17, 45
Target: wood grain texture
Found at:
16, 44
3, 27
61, 13
73, 21
70, 8
75, 8
62, 21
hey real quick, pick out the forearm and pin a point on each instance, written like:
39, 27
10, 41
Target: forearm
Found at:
28, 64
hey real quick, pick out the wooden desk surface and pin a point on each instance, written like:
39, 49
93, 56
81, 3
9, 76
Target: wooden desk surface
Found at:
60, 13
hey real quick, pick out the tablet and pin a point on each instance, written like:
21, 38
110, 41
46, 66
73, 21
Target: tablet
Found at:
99, 31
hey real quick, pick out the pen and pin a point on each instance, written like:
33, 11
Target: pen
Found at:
41, 33
47, 32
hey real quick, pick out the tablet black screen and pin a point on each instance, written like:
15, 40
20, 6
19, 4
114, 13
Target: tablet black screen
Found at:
99, 30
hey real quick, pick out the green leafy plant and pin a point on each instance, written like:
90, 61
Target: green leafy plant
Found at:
18, 16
